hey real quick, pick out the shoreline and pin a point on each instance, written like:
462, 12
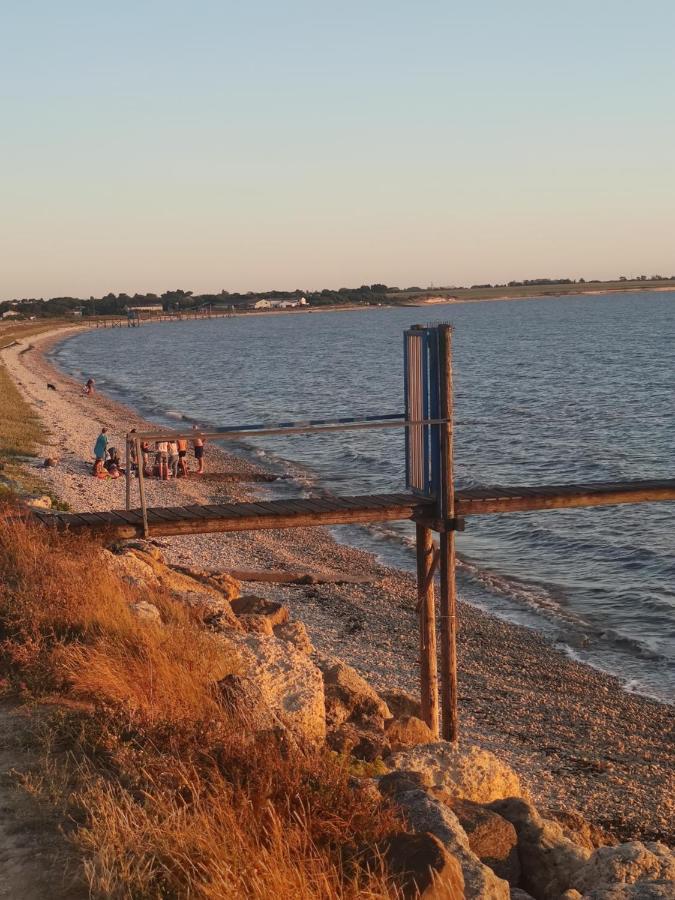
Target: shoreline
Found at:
573, 733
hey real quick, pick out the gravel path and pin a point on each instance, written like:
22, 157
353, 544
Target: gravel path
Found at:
576, 738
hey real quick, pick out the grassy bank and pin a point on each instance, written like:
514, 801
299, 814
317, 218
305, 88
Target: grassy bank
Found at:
160, 785
530, 291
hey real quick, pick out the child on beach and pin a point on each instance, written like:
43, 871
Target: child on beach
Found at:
100, 448
89, 387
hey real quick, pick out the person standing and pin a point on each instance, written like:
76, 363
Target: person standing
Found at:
162, 448
173, 459
198, 444
100, 448
182, 456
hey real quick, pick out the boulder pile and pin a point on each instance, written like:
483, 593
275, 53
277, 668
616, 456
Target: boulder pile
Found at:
469, 829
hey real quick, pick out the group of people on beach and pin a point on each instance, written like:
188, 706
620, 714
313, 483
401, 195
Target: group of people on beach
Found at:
166, 459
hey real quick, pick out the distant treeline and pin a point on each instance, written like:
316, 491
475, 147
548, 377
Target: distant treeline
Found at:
180, 300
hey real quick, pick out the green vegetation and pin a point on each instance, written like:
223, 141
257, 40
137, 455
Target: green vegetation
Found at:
366, 295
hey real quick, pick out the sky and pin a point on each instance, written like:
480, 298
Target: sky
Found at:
149, 145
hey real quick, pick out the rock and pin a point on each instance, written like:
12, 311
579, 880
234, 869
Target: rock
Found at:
50, 462
131, 568
464, 772
349, 697
641, 890
491, 838
578, 830
423, 813
256, 625
407, 731
287, 681
212, 604
420, 866
548, 860
44, 501
398, 782
228, 586
628, 863
296, 634
146, 611
401, 704
362, 743
250, 605
570, 894
520, 894
146, 547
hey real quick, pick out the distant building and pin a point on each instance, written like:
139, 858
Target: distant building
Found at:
280, 304
10, 314
75, 313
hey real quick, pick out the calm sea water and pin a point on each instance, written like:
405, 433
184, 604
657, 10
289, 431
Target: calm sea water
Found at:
547, 391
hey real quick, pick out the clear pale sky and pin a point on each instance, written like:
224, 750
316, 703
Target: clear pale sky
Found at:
151, 144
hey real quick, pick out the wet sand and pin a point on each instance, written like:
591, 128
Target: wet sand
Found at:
579, 741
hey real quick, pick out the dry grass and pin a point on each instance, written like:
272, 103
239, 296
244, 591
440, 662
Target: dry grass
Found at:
20, 428
168, 793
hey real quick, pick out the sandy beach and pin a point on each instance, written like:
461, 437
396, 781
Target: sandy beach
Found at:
579, 741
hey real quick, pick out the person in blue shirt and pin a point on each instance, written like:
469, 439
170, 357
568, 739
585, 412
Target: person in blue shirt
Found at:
99, 450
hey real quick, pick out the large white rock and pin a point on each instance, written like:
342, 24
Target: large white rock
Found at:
425, 814
628, 863
468, 773
287, 682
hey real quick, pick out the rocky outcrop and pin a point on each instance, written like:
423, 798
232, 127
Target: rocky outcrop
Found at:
407, 731
401, 704
420, 866
286, 681
425, 814
548, 860
224, 583
349, 697
142, 568
463, 772
250, 605
296, 634
148, 612
629, 864
491, 837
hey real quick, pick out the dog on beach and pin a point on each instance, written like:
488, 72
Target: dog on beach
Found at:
51, 387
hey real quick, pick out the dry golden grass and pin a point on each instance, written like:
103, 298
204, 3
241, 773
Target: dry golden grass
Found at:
170, 795
20, 428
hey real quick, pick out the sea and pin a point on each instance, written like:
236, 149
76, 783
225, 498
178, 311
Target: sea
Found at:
551, 390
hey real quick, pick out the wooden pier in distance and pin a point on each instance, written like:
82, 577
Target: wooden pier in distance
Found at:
432, 500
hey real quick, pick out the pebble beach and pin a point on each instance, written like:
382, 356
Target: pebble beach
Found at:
578, 740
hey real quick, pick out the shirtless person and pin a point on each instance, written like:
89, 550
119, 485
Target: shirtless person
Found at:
182, 455
198, 444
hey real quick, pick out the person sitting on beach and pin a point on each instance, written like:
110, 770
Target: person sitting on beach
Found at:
89, 386
173, 459
182, 456
162, 448
145, 453
198, 444
100, 448
113, 460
